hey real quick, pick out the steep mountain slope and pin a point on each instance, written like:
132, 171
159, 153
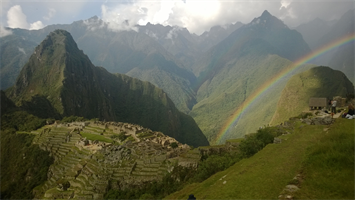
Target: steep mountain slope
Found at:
14, 53
138, 55
129, 52
263, 34
176, 40
316, 82
61, 73
342, 57
215, 35
237, 67
314, 30
6, 104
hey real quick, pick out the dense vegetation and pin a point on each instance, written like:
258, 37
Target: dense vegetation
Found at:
23, 165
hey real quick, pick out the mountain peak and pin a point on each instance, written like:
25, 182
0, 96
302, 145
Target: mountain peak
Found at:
265, 14
56, 57
267, 20
59, 38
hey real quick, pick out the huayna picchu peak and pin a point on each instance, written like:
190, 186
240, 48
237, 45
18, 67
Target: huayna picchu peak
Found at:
61, 73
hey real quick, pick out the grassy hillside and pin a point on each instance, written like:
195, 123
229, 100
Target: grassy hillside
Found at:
323, 157
219, 97
316, 82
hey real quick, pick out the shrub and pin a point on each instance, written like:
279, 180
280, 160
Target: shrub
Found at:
257, 141
122, 136
174, 145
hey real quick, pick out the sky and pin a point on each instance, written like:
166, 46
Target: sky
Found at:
196, 15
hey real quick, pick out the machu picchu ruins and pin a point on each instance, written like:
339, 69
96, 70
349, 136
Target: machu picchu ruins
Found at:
84, 167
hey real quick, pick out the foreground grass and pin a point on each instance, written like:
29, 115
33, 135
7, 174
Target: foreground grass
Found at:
328, 169
265, 175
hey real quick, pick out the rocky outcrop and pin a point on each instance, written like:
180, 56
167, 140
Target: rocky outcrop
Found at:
318, 120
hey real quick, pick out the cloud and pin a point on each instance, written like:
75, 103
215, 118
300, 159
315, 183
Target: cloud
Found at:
36, 25
4, 32
17, 19
127, 16
200, 15
151, 34
173, 33
94, 24
21, 50
50, 14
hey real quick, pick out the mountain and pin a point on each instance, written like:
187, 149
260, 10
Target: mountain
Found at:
176, 40
342, 57
319, 34
215, 35
314, 30
162, 55
316, 82
6, 104
14, 53
61, 73
133, 53
237, 67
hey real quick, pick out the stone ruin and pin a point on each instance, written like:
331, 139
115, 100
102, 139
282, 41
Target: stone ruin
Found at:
83, 168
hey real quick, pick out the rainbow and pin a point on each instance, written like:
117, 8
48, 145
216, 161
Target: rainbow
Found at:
265, 86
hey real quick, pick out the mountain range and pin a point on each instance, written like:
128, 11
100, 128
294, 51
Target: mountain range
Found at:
207, 76
66, 81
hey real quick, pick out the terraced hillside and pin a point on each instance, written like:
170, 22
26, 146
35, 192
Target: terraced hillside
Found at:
91, 157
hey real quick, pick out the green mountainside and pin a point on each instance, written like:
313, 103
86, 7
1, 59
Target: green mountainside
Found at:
14, 53
128, 52
316, 82
266, 32
162, 55
310, 162
239, 65
23, 165
59, 72
219, 97
338, 58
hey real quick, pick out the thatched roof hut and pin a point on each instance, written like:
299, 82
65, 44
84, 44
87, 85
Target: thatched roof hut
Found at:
317, 102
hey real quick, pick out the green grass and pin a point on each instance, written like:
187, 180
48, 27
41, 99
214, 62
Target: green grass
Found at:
328, 169
265, 175
93, 137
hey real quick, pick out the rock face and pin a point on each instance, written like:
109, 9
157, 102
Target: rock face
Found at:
85, 168
63, 75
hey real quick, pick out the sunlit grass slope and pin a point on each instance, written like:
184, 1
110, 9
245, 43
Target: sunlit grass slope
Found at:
220, 97
316, 82
317, 153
